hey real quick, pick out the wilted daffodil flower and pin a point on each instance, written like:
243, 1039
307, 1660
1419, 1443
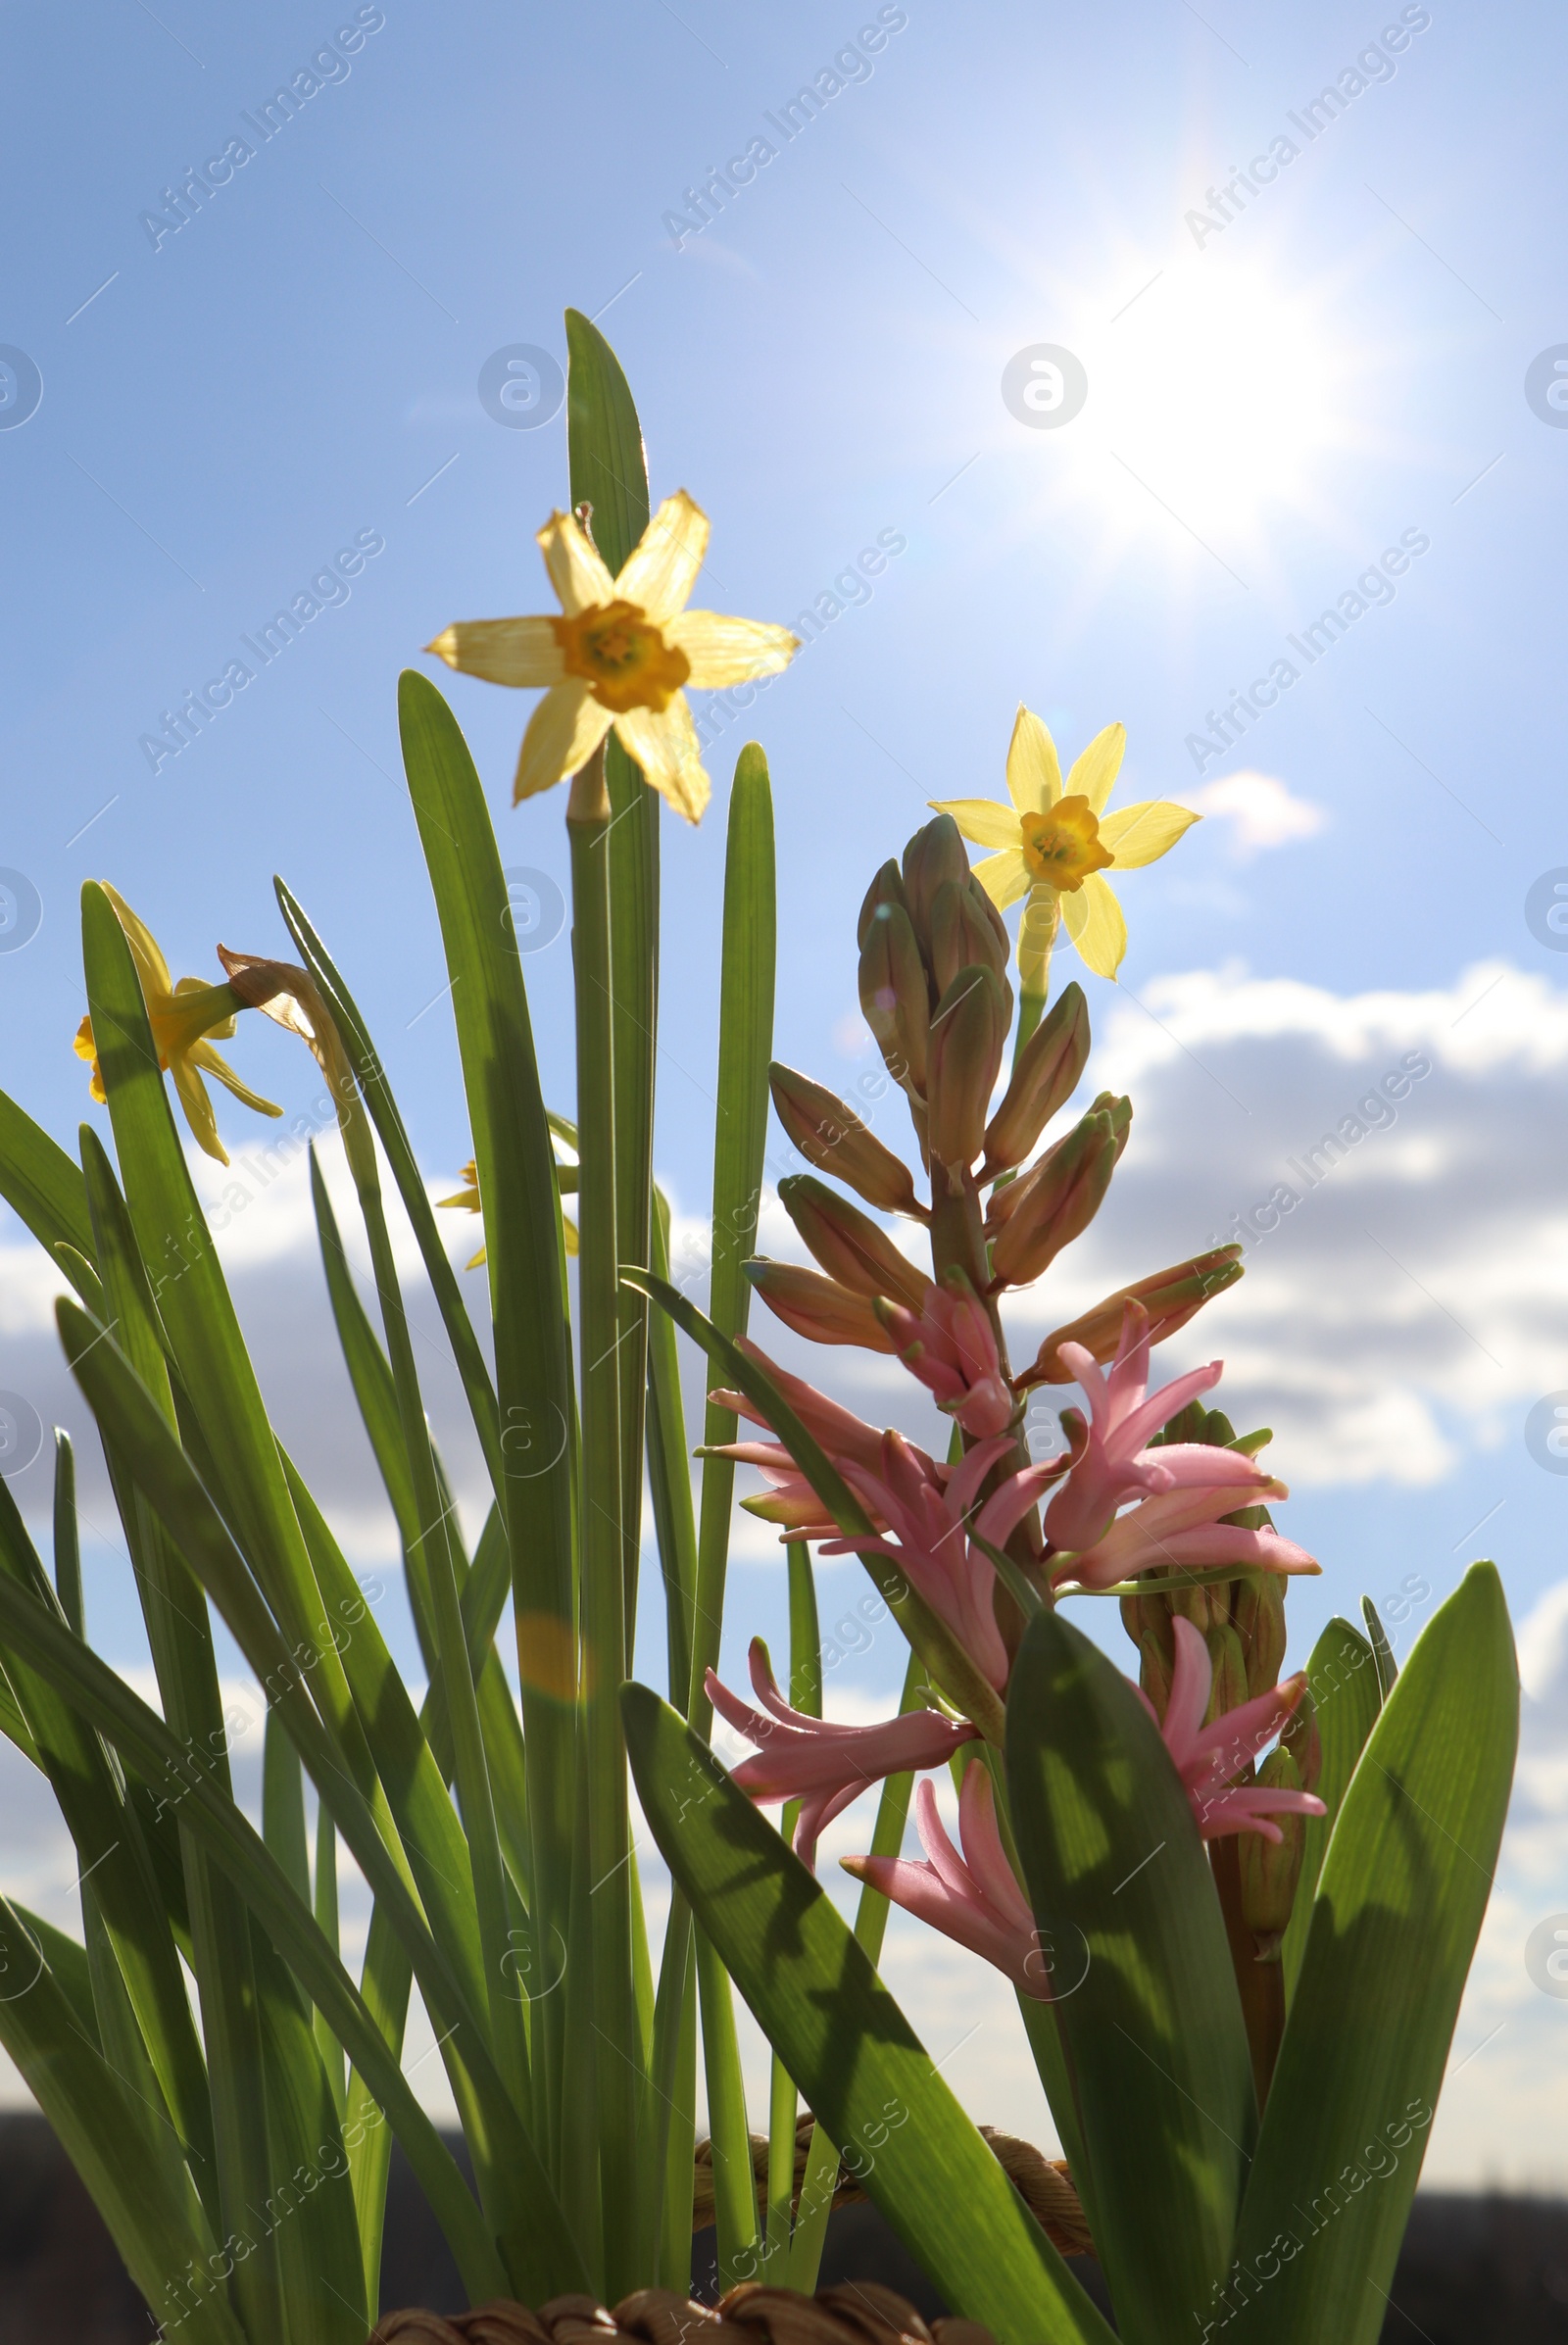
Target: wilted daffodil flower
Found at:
618, 654
182, 1017
1057, 842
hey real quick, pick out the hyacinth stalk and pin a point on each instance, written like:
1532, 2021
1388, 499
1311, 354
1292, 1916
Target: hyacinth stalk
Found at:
1237, 1909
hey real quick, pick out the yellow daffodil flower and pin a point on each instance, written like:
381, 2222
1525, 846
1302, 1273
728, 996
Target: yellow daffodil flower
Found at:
619, 655
1055, 842
182, 1017
466, 1200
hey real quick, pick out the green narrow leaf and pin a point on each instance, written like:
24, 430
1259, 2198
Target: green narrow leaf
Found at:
669, 1476
609, 474
515, 1163
805, 1695
1399, 1909
862, 2068
1378, 1638
309, 2213
143, 1741
283, 1805
159, 2234
1343, 1684
324, 1904
40, 1184
370, 1075
1153, 2031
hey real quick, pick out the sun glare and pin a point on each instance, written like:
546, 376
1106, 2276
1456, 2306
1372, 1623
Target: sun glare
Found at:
1218, 394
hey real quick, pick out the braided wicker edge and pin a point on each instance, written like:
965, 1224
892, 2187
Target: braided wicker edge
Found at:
1042, 2183
860, 2312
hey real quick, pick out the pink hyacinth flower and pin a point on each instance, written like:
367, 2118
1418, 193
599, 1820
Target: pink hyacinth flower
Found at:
1206, 1757
955, 1578
1116, 1466
1181, 1531
791, 1501
822, 1765
950, 1346
975, 1897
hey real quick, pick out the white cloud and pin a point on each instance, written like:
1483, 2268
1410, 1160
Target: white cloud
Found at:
1263, 811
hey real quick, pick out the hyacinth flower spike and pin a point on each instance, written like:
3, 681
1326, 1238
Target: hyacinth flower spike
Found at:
1115, 1465
823, 1765
955, 1576
973, 1899
1207, 1757
950, 1346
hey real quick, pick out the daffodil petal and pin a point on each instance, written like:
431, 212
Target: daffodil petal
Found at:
577, 571
191, 1092
475, 1261
1034, 774
1092, 919
562, 734
666, 747
151, 966
983, 819
1095, 771
1142, 834
503, 650
1004, 877
728, 650
202, 1056
662, 568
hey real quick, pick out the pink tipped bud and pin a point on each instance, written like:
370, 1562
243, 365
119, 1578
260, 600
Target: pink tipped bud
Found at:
895, 996
818, 1307
850, 1247
832, 1137
1169, 1297
1055, 1202
1271, 1869
1045, 1077
968, 1033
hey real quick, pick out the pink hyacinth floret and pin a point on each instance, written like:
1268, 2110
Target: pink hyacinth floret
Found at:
791, 1501
1205, 1757
1180, 1530
1116, 1466
950, 1346
973, 1899
823, 1765
956, 1577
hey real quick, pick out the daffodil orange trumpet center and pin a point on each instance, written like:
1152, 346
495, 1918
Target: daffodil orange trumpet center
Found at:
621, 655
1062, 846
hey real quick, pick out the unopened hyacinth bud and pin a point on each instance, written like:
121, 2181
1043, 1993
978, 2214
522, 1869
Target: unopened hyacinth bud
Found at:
935, 855
1229, 1689
886, 887
818, 1307
966, 927
850, 1247
1258, 1614
1270, 1870
1053, 1202
896, 995
1170, 1298
1045, 1076
968, 1035
1304, 1743
831, 1135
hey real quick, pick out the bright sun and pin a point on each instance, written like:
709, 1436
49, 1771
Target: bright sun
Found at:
1218, 395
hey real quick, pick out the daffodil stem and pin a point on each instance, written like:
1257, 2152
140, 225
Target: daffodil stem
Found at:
1031, 1009
616, 2066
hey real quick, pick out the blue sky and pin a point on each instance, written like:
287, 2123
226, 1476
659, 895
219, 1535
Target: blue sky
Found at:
1273, 401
